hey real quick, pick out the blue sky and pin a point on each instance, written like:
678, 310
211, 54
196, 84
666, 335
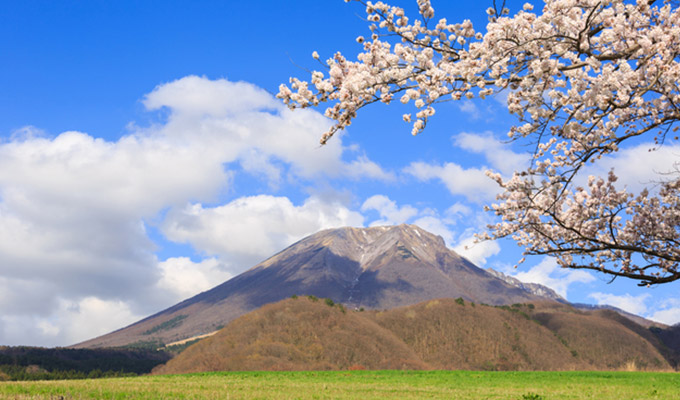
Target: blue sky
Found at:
144, 159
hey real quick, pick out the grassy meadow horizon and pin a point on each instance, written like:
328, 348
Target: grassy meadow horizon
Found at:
460, 385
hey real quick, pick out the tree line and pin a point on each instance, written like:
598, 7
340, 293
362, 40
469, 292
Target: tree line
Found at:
36, 363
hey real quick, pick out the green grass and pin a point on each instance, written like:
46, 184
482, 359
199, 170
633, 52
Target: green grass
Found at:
361, 385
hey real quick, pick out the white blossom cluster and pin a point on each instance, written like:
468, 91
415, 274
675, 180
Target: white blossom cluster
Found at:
582, 77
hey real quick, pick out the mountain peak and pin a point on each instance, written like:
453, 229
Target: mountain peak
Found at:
364, 245
376, 267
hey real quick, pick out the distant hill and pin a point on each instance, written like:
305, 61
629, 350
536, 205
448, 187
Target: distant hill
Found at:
635, 318
374, 268
315, 334
670, 337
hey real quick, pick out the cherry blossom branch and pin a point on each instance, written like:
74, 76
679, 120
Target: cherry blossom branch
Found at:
583, 78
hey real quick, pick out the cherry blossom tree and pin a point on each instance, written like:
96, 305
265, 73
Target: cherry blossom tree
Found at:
581, 76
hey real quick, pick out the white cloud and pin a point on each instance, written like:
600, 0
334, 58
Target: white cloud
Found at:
389, 212
75, 169
458, 210
193, 95
668, 316
71, 227
392, 214
632, 304
437, 226
249, 229
479, 252
241, 122
498, 154
637, 167
91, 317
362, 167
182, 278
72, 321
68, 320
471, 182
668, 312
469, 108
549, 274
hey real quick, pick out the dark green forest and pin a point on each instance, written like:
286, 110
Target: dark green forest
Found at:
37, 363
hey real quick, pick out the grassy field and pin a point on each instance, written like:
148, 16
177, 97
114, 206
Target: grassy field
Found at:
361, 385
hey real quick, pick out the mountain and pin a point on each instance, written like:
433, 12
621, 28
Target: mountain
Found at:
371, 268
533, 288
310, 334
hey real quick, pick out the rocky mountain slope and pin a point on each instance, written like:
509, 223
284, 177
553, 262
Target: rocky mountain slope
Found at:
373, 268
533, 288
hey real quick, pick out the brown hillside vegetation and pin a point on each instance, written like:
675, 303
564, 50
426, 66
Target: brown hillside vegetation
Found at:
460, 335
310, 334
603, 339
297, 335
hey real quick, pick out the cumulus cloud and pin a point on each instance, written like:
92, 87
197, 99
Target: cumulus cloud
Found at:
437, 226
72, 212
477, 252
240, 122
71, 321
182, 278
632, 304
637, 167
198, 96
473, 182
500, 155
469, 182
249, 229
668, 314
362, 167
56, 319
390, 213
549, 274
